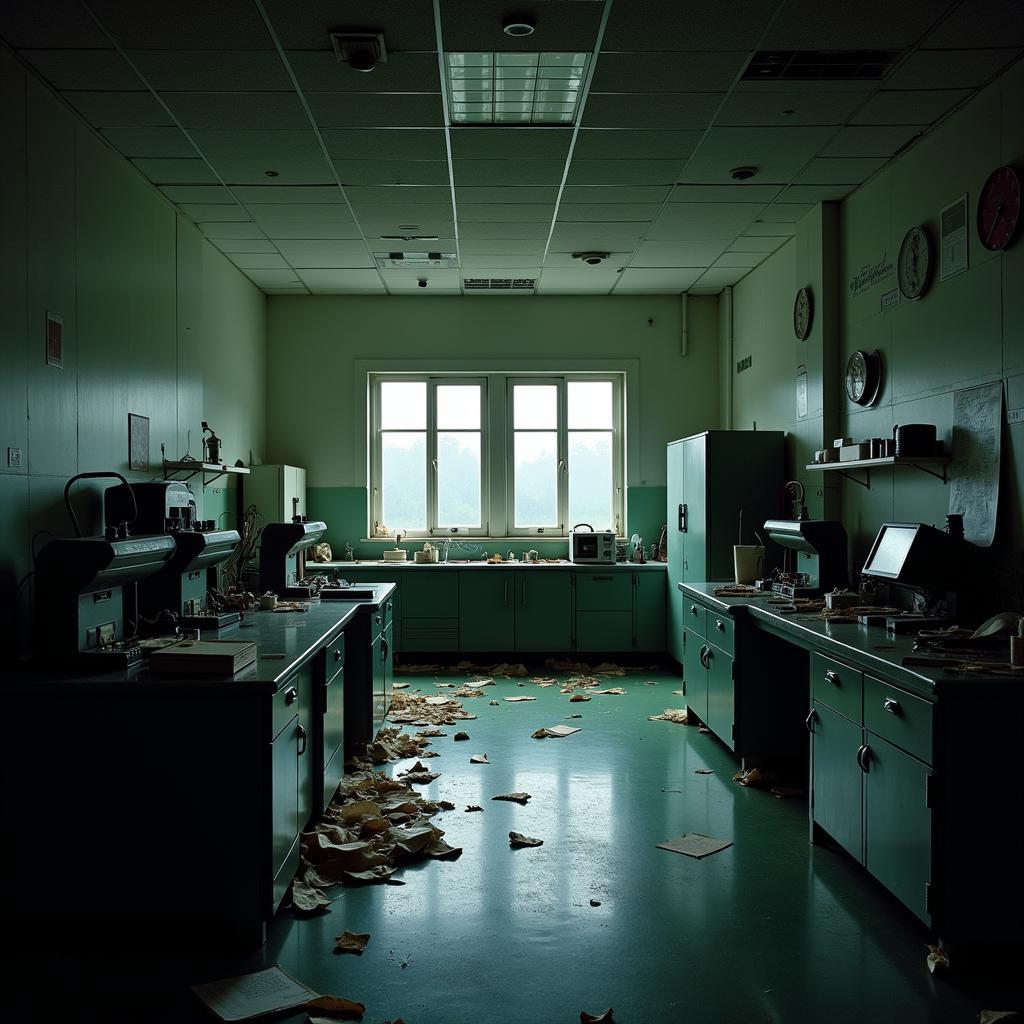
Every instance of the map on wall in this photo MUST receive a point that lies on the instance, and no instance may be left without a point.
(977, 447)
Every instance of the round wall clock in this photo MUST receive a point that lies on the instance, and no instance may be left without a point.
(914, 269)
(999, 208)
(863, 377)
(803, 313)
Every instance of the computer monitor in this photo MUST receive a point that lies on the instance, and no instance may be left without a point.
(890, 550)
(917, 556)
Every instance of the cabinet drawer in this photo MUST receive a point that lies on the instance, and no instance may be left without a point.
(838, 686)
(720, 631)
(335, 654)
(604, 592)
(286, 705)
(695, 617)
(901, 718)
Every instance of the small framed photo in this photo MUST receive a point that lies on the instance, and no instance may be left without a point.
(54, 340)
(953, 238)
(138, 443)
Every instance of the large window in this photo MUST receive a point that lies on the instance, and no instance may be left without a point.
(499, 455)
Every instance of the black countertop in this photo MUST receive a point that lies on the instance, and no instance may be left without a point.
(312, 568)
(285, 641)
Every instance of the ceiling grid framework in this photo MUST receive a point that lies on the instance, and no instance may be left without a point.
(301, 170)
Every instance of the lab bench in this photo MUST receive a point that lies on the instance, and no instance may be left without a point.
(912, 769)
(179, 799)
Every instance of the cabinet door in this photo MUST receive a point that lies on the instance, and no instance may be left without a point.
(604, 631)
(284, 800)
(695, 675)
(543, 610)
(378, 681)
(649, 610)
(836, 778)
(721, 695)
(898, 823)
(388, 659)
(695, 567)
(487, 610)
(674, 600)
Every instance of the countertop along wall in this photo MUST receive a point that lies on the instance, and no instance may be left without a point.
(318, 348)
(965, 331)
(156, 322)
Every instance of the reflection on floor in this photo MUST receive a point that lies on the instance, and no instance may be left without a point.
(770, 929)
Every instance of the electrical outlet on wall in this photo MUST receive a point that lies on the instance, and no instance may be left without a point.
(13, 458)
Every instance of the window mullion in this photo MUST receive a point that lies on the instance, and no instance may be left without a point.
(563, 456)
(431, 447)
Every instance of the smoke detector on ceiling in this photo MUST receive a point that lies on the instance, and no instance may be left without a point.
(592, 259)
(362, 51)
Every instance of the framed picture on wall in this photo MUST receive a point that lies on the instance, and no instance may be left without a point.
(138, 443)
(953, 238)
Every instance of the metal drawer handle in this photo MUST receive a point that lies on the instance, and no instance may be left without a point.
(891, 705)
(378, 620)
(291, 695)
(705, 653)
(604, 579)
(693, 609)
(337, 655)
(304, 740)
(832, 677)
(720, 625)
(862, 757)
(809, 720)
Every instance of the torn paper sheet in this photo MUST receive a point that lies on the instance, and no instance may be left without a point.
(991, 1016)
(577, 698)
(753, 777)
(307, 900)
(473, 807)
(351, 942)
(517, 840)
(693, 844)
(609, 668)
(938, 960)
(556, 731)
(253, 995)
(678, 715)
(419, 773)
(494, 703)
(597, 1018)
(334, 1008)
(614, 690)
(518, 798)
(479, 759)
(704, 771)
(516, 700)
(399, 686)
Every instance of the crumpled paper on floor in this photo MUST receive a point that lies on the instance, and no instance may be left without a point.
(578, 698)
(334, 1008)
(351, 942)
(518, 798)
(479, 759)
(609, 668)
(597, 1018)
(392, 744)
(414, 708)
(419, 773)
(555, 732)
(307, 901)
(614, 690)
(938, 960)
(678, 715)
(517, 700)
(579, 683)
(517, 840)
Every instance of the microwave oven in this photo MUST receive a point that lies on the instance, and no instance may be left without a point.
(592, 546)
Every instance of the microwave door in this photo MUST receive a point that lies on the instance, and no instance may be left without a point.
(586, 547)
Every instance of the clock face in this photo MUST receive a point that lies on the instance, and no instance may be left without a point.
(863, 377)
(803, 311)
(999, 208)
(915, 263)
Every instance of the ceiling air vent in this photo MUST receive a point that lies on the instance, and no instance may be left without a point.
(820, 65)
(503, 284)
(415, 260)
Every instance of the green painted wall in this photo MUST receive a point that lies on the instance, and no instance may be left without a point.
(314, 418)
(966, 330)
(156, 322)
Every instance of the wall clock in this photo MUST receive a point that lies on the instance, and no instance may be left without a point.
(864, 377)
(803, 313)
(999, 208)
(917, 257)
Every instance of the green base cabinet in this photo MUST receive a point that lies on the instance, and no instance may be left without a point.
(649, 597)
(487, 611)
(695, 675)
(836, 778)
(543, 611)
(721, 717)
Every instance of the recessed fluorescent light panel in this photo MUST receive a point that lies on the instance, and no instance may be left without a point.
(515, 88)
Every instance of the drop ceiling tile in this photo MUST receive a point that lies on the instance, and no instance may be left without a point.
(493, 143)
(151, 142)
(770, 228)
(501, 247)
(49, 24)
(175, 172)
(83, 69)
(274, 279)
(981, 23)
(786, 109)
(566, 26)
(564, 260)
(949, 69)
(386, 144)
(679, 254)
(408, 280)
(322, 253)
(682, 71)
(615, 194)
(778, 153)
(273, 217)
(258, 195)
(119, 109)
(759, 243)
(257, 261)
(197, 193)
(508, 172)
(375, 110)
(608, 211)
(866, 25)
(198, 212)
(602, 237)
(539, 230)
(623, 144)
(643, 281)
(440, 237)
(473, 194)
(787, 213)
(216, 71)
(740, 259)
(406, 26)
(228, 230)
(624, 172)
(244, 156)
(587, 281)
(839, 170)
(432, 194)
(718, 278)
(483, 266)
(874, 140)
(695, 222)
(511, 213)
(910, 107)
(341, 282)
(185, 24)
(237, 110)
(404, 213)
(724, 25)
(667, 111)
(237, 245)
(392, 172)
(816, 193)
(737, 192)
(321, 71)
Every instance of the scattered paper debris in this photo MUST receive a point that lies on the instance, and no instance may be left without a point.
(579, 683)
(253, 995)
(561, 665)
(307, 901)
(392, 744)
(609, 668)
(702, 728)
(680, 716)
(595, 903)
(334, 1008)
(567, 717)
(479, 759)
(419, 710)
(459, 736)
(517, 839)
(473, 807)
(516, 700)
(555, 731)
(477, 683)
(695, 845)
(543, 681)
(598, 1018)
(991, 1016)
(518, 798)
(446, 805)
(578, 698)
(399, 686)
(436, 701)
(419, 773)
(614, 690)
(753, 777)
(503, 668)
(938, 960)
(704, 771)
(430, 732)
(494, 703)
(351, 942)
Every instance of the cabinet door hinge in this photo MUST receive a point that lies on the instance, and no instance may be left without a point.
(929, 790)
(929, 898)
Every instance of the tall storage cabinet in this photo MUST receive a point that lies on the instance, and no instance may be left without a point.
(711, 477)
(278, 492)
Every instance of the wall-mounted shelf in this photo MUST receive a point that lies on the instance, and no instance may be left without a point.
(189, 468)
(926, 464)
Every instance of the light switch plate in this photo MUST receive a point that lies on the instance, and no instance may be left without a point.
(13, 457)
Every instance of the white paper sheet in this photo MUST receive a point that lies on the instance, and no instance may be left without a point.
(252, 995)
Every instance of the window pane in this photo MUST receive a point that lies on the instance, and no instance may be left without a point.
(403, 405)
(403, 463)
(536, 469)
(590, 405)
(458, 407)
(458, 478)
(590, 479)
(535, 406)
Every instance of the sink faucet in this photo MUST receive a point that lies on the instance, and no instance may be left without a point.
(447, 544)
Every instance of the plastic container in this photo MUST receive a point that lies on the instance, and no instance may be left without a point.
(748, 562)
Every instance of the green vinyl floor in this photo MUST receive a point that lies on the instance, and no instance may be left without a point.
(770, 929)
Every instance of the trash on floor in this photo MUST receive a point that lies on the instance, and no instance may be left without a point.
(597, 1018)
(579, 683)
(518, 798)
(701, 727)
(938, 960)
(334, 1008)
(516, 700)
(555, 731)
(436, 701)
(609, 668)
(482, 681)
(392, 744)
(503, 668)
(399, 686)
(419, 710)
(430, 753)
(430, 732)
(567, 717)
(419, 773)
(517, 839)
(678, 715)
(468, 691)
(473, 807)
(578, 698)
(446, 805)
(695, 845)
(479, 759)
(307, 901)
(494, 703)
(753, 777)
(704, 771)
(614, 690)
(459, 736)
(991, 1016)
(595, 903)
(351, 942)
(253, 995)
(543, 681)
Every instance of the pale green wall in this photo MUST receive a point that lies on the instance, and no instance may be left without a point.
(315, 420)
(156, 322)
(967, 330)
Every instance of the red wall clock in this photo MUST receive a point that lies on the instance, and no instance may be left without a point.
(999, 208)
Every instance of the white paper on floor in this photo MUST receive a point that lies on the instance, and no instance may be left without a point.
(693, 844)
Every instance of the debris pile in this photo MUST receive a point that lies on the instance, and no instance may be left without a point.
(678, 715)
(411, 707)
(392, 744)
(517, 840)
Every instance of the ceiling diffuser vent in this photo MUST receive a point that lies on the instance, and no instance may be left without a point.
(502, 284)
(820, 65)
(415, 260)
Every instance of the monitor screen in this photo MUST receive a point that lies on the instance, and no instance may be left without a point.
(890, 551)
